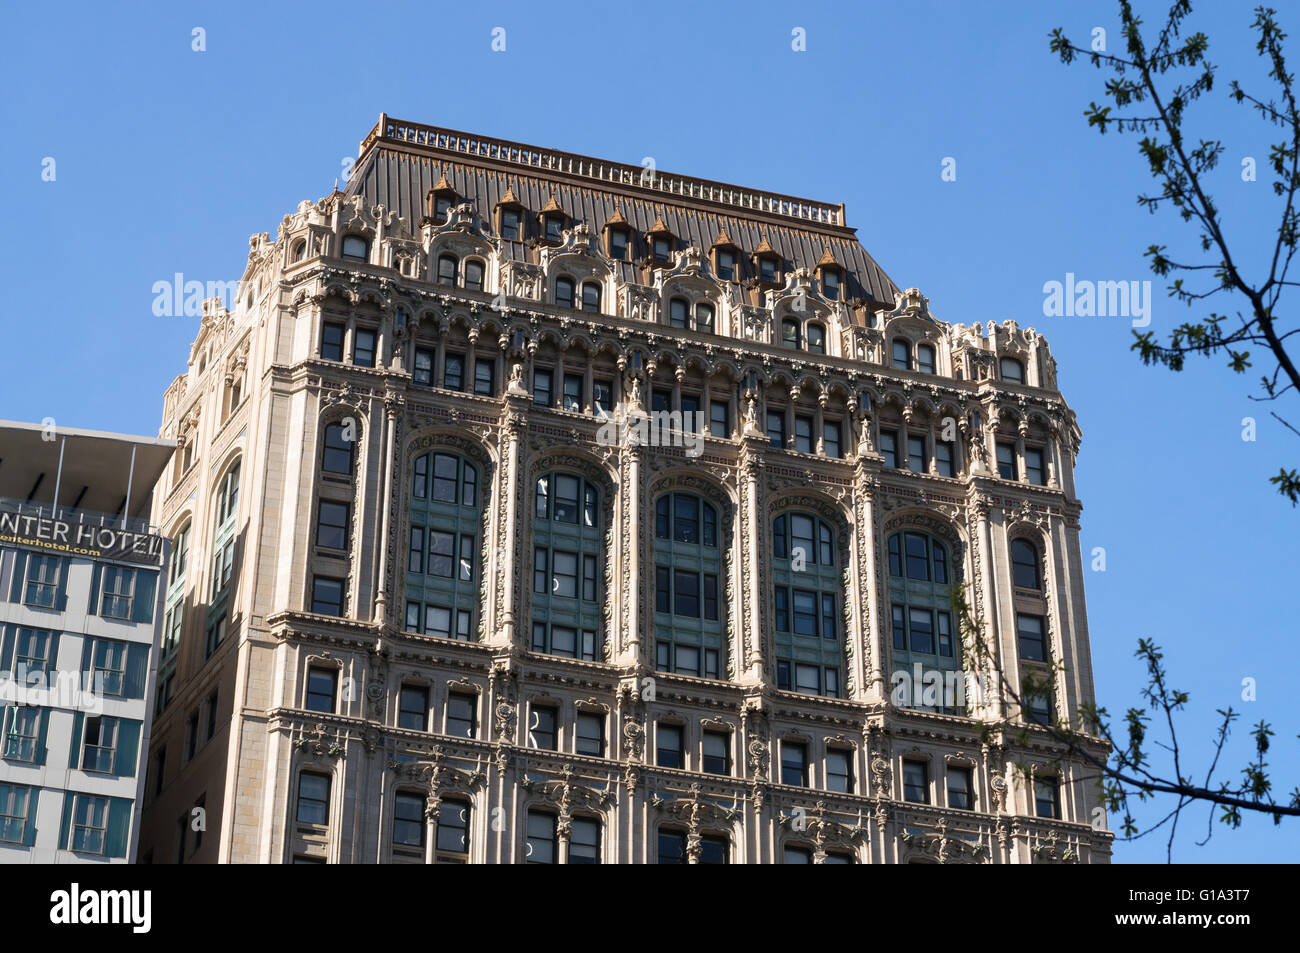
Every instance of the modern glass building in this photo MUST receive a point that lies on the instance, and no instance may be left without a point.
(81, 593)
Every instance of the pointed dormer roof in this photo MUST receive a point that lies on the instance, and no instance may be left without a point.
(723, 240)
(553, 206)
(443, 185)
(509, 198)
(827, 260)
(616, 218)
(659, 228)
(764, 248)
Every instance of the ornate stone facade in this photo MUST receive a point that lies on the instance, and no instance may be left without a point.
(716, 306)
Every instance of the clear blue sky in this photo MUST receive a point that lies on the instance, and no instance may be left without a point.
(168, 159)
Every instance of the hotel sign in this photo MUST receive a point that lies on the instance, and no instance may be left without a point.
(78, 539)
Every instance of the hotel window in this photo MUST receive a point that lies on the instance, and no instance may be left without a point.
(1029, 630)
(568, 552)
(704, 318)
(791, 854)
(959, 789)
(461, 720)
(925, 358)
(920, 594)
(1007, 461)
(408, 824)
(448, 265)
(543, 732)
(413, 707)
(564, 292)
(540, 847)
(602, 397)
(510, 222)
(584, 841)
(776, 428)
(473, 275)
(109, 745)
(726, 265)
(332, 525)
(889, 447)
(337, 454)
(719, 418)
(1024, 565)
(794, 763)
(916, 782)
(331, 342)
(591, 297)
(46, 578)
(18, 814)
(485, 377)
(1013, 372)
(679, 313)
(690, 633)
(313, 799)
(790, 334)
(356, 248)
(89, 823)
(115, 668)
(591, 735)
(363, 348)
(831, 438)
(816, 339)
(716, 751)
(327, 596)
(831, 284)
(441, 588)
(902, 354)
(453, 372)
(452, 840)
(1045, 798)
(668, 746)
(806, 603)
(28, 652)
(322, 684)
(618, 244)
(422, 373)
(916, 456)
(839, 770)
(1035, 472)
(24, 728)
(572, 400)
(803, 434)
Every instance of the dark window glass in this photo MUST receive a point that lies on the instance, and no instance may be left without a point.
(591, 735)
(453, 372)
(719, 419)
(767, 269)
(422, 373)
(331, 342)
(662, 249)
(542, 730)
(510, 225)
(726, 265)
(1029, 628)
(889, 447)
(1013, 372)
(448, 265)
(564, 292)
(1024, 565)
(408, 820)
(816, 339)
(672, 847)
(573, 392)
(902, 354)
(1007, 461)
(602, 396)
(313, 799)
(460, 715)
(831, 438)
(474, 275)
(327, 596)
(618, 244)
(668, 746)
(413, 707)
(591, 297)
(1045, 802)
(925, 358)
(831, 284)
(959, 793)
(541, 837)
(803, 434)
(584, 841)
(1034, 470)
(332, 525)
(363, 348)
(554, 228)
(790, 334)
(663, 589)
(686, 593)
(916, 782)
(337, 455)
(484, 377)
(776, 428)
(945, 458)
(839, 771)
(321, 684)
(704, 318)
(453, 831)
(714, 850)
(794, 763)
(717, 753)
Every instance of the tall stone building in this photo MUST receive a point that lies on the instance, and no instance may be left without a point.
(543, 507)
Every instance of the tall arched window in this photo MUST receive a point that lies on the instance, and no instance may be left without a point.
(442, 555)
(807, 603)
(704, 318)
(1013, 372)
(925, 636)
(473, 275)
(790, 336)
(902, 354)
(1024, 565)
(925, 358)
(564, 292)
(447, 268)
(568, 560)
(223, 557)
(591, 297)
(337, 455)
(679, 313)
(690, 588)
(816, 339)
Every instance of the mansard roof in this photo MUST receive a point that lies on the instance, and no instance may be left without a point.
(401, 161)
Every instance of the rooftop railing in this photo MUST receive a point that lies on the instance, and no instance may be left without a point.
(602, 170)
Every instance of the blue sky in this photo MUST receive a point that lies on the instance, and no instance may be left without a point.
(167, 159)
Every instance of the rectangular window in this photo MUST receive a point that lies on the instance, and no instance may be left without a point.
(803, 429)
(776, 428)
(591, 735)
(716, 753)
(805, 612)
(944, 458)
(422, 373)
(710, 597)
(453, 372)
(916, 454)
(686, 593)
(602, 397)
(460, 715)
(573, 392)
(584, 841)
(212, 715)
(839, 771)
(485, 377)
(1034, 470)
(807, 679)
(442, 553)
(686, 659)
(118, 592)
(541, 838)
(726, 265)
(43, 581)
(331, 342)
(782, 609)
(437, 621)
(363, 348)
(321, 686)
(719, 419)
(831, 438)
(564, 641)
(1045, 800)
(783, 675)
(413, 707)
(23, 735)
(794, 763)
(89, 824)
(542, 729)
(916, 782)
(466, 557)
(1007, 461)
(327, 596)
(663, 589)
(542, 385)
(408, 821)
(921, 624)
(1029, 628)
(618, 244)
(510, 223)
(313, 799)
(944, 631)
(415, 552)
(541, 560)
(668, 746)
(889, 447)
(711, 660)
(17, 805)
(332, 525)
(959, 793)
(452, 836)
(829, 628)
(589, 578)
(564, 577)
(99, 744)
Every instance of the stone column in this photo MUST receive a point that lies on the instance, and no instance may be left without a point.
(389, 474)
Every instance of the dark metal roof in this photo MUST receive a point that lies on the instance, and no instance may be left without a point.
(397, 170)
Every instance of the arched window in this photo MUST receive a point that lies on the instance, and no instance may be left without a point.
(299, 251)
(442, 556)
(564, 292)
(223, 556)
(925, 358)
(1013, 372)
(336, 457)
(591, 297)
(356, 248)
(816, 339)
(690, 587)
(1024, 565)
(926, 642)
(807, 602)
(447, 268)
(790, 333)
(473, 275)
(704, 318)
(568, 567)
(902, 354)
(679, 312)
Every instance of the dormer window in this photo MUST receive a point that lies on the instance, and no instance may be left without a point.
(618, 242)
(662, 249)
(726, 269)
(661, 242)
(767, 269)
(831, 284)
(554, 228)
(356, 248)
(1013, 372)
(441, 206)
(510, 222)
(439, 201)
